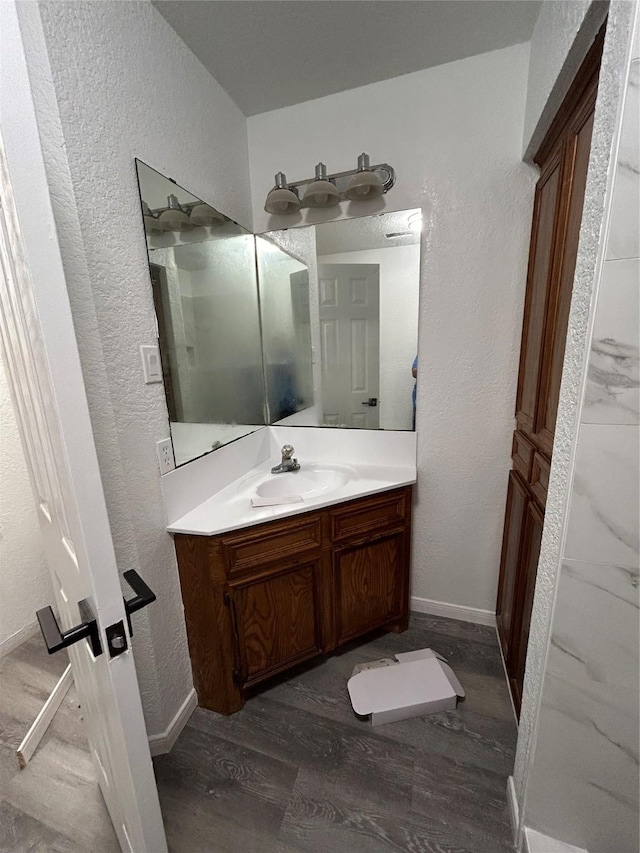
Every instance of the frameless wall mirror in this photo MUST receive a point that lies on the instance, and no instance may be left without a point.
(283, 285)
(365, 276)
(235, 354)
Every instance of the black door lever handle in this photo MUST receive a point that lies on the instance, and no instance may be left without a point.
(143, 595)
(55, 639)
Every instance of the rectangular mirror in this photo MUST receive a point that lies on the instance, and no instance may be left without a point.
(283, 284)
(203, 275)
(313, 326)
(365, 276)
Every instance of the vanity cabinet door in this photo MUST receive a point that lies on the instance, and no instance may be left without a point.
(370, 585)
(276, 620)
(532, 540)
(507, 606)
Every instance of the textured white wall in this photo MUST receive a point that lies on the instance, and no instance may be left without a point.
(590, 255)
(454, 135)
(563, 33)
(25, 585)
(131, 90)
(399, 288)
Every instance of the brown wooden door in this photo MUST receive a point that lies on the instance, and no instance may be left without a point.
(276, 620)
(563, 159)
(576, 149)
(369, 584)
(539, 285)
(517, 500)
(531, 541)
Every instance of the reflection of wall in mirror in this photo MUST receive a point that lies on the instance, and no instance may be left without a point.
(175, 332)
(214, 332)
(399, 292)
(193, 440)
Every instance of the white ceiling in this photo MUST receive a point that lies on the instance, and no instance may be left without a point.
(273, 53)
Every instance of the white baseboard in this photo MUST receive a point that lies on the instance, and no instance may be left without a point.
(161, 743)
(42, 722)
(15, 640)
(453, 611)
(537, 842)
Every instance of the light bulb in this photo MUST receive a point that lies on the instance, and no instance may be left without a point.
(321, 192)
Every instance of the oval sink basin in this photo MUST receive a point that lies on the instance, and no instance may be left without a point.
(308, 483)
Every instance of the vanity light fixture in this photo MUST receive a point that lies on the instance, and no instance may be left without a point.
(203, 214)
(282, 199)
(361, 184)
(321, 192)
(174, 218)
(365, 184)
(151, 225)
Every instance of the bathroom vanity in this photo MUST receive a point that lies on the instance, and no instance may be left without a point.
(269, 340)
(262, 599)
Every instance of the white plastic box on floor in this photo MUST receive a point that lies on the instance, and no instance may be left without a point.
(414, 684)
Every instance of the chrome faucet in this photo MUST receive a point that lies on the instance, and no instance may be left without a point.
(287, 463)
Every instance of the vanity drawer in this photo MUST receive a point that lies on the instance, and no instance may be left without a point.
(540, 479)
(364, 517)
(522, 454)
(299, 536)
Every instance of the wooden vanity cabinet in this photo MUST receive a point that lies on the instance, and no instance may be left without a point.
(260, 600)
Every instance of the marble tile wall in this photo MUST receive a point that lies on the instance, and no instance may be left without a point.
(584, 783)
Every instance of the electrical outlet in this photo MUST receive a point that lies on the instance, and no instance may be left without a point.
(165, 456)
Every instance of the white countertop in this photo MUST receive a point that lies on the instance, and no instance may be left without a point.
(231, 509)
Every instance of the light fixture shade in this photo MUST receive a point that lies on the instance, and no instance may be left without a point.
(203, 214)
(365, 184)
(281, 199)
(321, 192)
(151, 225)
(174, 218)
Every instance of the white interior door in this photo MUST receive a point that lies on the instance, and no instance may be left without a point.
(44, 372)
(349, 296)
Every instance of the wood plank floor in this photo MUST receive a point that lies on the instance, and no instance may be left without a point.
(295, 770)
(54, 804)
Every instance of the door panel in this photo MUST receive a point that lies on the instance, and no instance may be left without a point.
(349, 297)
(517, 500)
(563, 158)
(531, 541)
(369, 586)
(276, 620)
(578, 149)
(543, 236)
(43, 366)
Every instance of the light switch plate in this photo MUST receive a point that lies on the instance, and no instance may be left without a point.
(151, 364)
